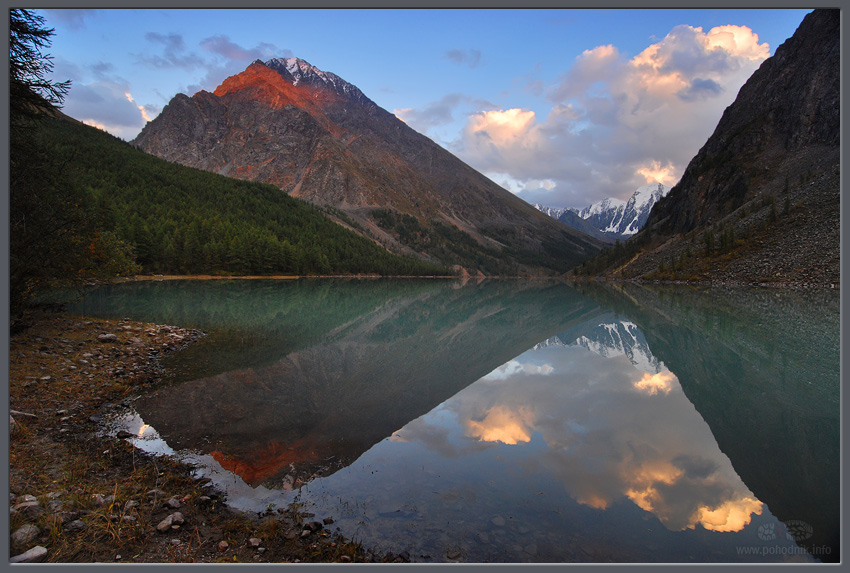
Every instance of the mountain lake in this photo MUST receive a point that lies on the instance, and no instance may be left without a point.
(507, 420)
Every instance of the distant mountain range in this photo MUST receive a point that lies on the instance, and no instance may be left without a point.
(609, 336)
(319, 138)
(611, 219)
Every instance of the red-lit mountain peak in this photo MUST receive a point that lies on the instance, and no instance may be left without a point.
(265, 85)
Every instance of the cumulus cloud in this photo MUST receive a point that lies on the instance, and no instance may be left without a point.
(617, 123)
(105, 105)
(470, 58)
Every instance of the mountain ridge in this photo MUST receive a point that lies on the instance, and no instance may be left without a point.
(611, 219)
(317, 139)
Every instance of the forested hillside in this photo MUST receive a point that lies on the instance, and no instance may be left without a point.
(182, 220)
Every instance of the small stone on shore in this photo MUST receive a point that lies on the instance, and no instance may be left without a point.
(34, 555)
(25, 534)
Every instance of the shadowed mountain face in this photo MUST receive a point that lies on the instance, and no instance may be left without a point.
(318, 138)
(319, 408)
(762, 368)
(767, 178)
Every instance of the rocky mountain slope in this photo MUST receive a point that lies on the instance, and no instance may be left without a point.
(611, 218)
(319, 138)
(760, 202)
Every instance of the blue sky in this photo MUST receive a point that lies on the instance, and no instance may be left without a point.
(563, 107)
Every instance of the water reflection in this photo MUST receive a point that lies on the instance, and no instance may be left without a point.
(316, 409)
(611, 432)
(513, 421)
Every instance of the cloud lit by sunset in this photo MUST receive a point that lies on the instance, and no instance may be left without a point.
(501, 425)
(653, 384)
(594, 104)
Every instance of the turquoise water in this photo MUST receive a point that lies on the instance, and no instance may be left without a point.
(509, 421)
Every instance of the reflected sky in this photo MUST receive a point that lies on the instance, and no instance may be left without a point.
(611, 432)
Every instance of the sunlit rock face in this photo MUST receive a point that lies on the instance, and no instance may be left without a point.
(319, 138)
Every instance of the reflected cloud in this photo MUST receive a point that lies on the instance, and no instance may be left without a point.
(501, 425)
(608, 436)
(652, 384)
(730, 516)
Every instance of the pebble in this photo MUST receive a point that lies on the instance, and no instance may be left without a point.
(75, 526)
(31, 509)
(173, 503)
(165, 524)
(100, 500)
(222, 546)
(131, 503)
(109, 337)
(26, 498)
(176, 542)
(345, 559)
(327, 520)
(25, 534)
(55, 506)
(34, 555)
(156, 493)
(123, 434)
(66, 516)
(254, 542)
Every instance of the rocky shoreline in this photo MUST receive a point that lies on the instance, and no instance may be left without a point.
(77, 496)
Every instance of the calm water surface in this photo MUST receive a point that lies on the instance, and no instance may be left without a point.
(509, 421)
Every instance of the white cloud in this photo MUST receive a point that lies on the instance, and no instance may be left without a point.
(616, 124)
(107, 105)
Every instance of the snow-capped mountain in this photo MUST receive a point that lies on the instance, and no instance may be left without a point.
(612, 218)
(551, 211)
(610, 337)
(297, 70)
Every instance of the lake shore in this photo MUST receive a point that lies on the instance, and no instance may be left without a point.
(85, 497)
